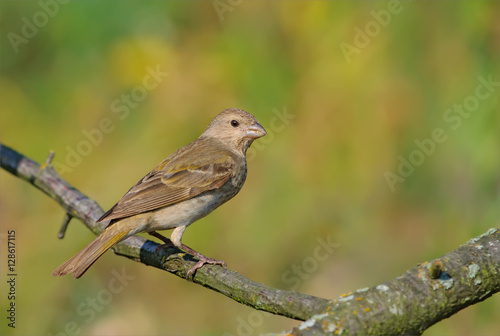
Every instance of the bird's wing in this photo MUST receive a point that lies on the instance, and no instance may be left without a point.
(173, 181)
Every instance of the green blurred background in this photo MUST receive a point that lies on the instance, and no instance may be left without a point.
(335, 124)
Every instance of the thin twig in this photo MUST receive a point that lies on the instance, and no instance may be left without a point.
(64, 226)
(48, 161)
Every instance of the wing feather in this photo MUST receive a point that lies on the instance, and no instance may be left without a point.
(176, 179)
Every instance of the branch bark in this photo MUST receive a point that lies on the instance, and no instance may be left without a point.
(229, 283)
(421, 297)
(408, 304)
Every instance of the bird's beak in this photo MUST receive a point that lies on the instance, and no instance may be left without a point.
(255, 131)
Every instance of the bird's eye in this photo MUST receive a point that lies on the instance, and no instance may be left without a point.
(235, 123)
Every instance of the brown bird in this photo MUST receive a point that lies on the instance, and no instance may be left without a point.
(185, 187)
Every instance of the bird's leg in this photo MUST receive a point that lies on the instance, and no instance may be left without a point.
(202, 260)
(162, 238)
(167, 242)
(176, 238)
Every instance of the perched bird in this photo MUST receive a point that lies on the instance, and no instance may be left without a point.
(185, 187)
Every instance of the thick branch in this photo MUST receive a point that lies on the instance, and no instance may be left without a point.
(408, 304)
(259, 296)
(421, 297)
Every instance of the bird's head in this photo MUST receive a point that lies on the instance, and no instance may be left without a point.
(235, 128)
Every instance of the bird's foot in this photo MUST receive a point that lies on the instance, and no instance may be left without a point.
(202, 261)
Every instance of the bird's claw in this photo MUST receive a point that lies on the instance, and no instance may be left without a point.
(204, 260)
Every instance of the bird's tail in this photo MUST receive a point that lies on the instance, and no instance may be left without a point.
(81, 262)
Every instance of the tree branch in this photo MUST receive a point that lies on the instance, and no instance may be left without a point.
(421, 297)
(229, 283)
(408, 304)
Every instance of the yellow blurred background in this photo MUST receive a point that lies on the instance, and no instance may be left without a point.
(382, 122)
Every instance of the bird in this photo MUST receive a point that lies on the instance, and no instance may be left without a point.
(186, 186)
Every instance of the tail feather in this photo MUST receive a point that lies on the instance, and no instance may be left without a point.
(81, 262)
